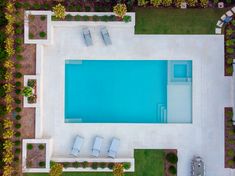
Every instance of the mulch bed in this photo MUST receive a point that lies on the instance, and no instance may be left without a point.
(35, 155)
(229, 139)
(37, 25)
(166, 163)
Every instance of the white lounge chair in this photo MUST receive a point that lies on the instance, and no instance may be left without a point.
(113, 149)
(105, 36)
(97, 146)
(87, 36)
(77, 145)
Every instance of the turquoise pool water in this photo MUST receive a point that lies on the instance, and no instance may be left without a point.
(123, 91)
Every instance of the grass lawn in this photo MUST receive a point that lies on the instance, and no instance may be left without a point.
(177, 21)
(148, 163)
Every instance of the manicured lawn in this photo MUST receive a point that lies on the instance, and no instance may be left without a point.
(177, 21)
(148, 163)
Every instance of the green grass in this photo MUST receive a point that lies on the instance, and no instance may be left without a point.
(177, 21)
(147, 163)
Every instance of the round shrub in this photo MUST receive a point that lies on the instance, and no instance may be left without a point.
(66, 164)
(16, 159)
(17, 134)
(18, 75)
(69, 17)
(94, 165)
(84, 164)
(17, 143)
(172, 170)
(18, 91)
(18, 126)
(126, 166)
(102, 165)
(18, 49)
(42, 164)
(17, 101)
(18, 84)
(110, 166)
(18, 109)
(76, 164)
(17, 151)
(77, 17)
(19, 31)
(19, 57)
(18, 66)
(41, 146)
(31, 35)
(95, 18)
(42, 34)
(105, 18)
(2, 110)
(18, 117)
(29, 146)
(85, 18)
(172, 158)
(19, 41)
(43, 17)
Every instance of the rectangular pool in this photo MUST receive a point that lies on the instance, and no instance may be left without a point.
(117, 91)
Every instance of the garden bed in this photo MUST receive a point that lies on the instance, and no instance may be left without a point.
(170, 162)
(36, 155)
(33, 84)
(229, 138)
(37, 26)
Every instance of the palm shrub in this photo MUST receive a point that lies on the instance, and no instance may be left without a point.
(142, 2)
(56, 170)
(118, 170)
(59, 11)
(204, 3)
(166, 3)
(27, 91)
(120, 10)
(94, 165)
(172, 158)
(192, 3)
(8, 170)
(155, 3)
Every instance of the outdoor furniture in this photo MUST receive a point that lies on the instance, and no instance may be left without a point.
(229, 13)
(218, 30)
(97, 146)
(77, 145)
(198, 167)
(87, 36)
(227, 19)
(113, 149)
(233, 9)
(105, 36)
(220, 23)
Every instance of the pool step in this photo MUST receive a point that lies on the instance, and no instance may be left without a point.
(162, 113)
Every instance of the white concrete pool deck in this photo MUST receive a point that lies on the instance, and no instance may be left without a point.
(211, 93)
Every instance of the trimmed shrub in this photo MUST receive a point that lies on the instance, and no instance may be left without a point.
(77, 17)
(2, 91)
(66, 164)
(111, 165)
(18, 117)
(87, 8)
(18, 109)
(18, 75)
(41, 146)
(16, 159)
(172, 158)
(17, 134)
(127, 19)
(112, 18)
(26, 5)
(19, 57)
(18, 91)
(229, 114)
(172, 170)
(85, 18)
(18, 49)
(17, 151)
(18, 126)
(17, 143)
(94, 165)
(76, 164)
(18, 5)
(36, 6)
(31, 36)
(19, 41)
(95, 18)
(2, 110)
(19, 31)
(229, 70)
(69, 17)
(230, 50)
(104, 18)
(42, 34)
(18, 66)
(84, 164)
(42, 164)
(102, 165)
(18, 84)
(43, 17)
(126, 166)
(79, 8)
(17, 101)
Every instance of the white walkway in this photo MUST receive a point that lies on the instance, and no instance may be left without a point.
(211, 93)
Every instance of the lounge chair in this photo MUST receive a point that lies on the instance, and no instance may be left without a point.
(97, 146)
(105, 36)
(77, 145)
(113, 149)
(87, 36)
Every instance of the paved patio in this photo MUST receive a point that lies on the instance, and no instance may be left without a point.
(211, 93)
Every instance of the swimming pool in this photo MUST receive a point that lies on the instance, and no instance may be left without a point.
(117, 91)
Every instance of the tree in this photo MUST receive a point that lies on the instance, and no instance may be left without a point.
(56, 170)
(59, 11)
(120, 10)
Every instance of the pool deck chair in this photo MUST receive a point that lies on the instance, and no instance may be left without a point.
(97, 146)
(77, 145)
(87, 36)
(113, 149)
(105, 36)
